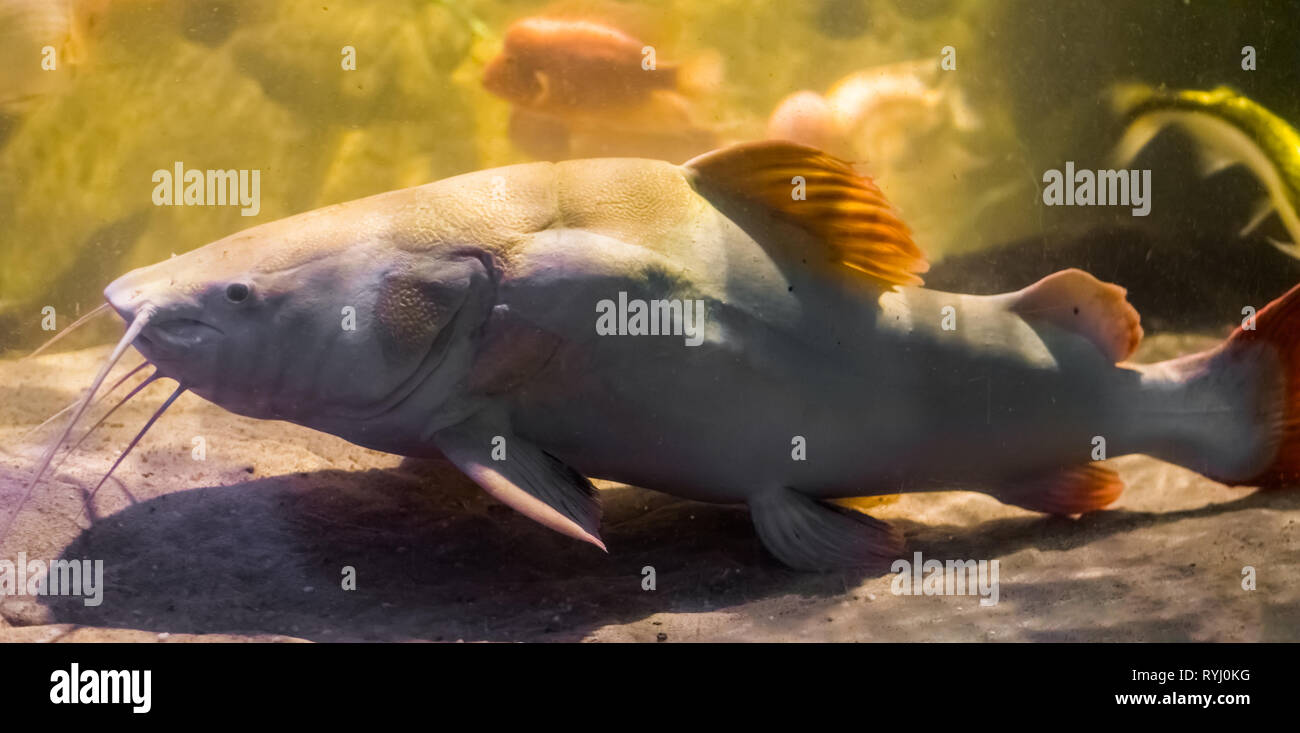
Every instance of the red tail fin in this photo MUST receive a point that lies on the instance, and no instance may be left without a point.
(1278, 327)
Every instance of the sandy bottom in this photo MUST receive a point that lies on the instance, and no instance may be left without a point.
(251, 542)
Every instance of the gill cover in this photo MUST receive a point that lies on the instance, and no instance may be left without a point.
(416, 300)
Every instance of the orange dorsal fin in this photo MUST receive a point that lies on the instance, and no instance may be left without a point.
(824, 196)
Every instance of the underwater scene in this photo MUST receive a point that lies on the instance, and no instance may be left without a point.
(649, 320)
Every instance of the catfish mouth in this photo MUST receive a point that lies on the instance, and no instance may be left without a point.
(172, 334)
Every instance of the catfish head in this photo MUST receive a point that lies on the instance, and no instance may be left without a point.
(335, 319)
(380, 320)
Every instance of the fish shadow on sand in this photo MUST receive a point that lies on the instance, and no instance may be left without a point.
(268, 556)
(1131, 594)
(997, 537)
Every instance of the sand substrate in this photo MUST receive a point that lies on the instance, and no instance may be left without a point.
(252, 542)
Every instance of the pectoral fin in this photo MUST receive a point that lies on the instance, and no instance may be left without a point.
(524, 477)
(543, 84)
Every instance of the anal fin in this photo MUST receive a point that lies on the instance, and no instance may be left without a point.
(1076, 301)
(866, 503)
(527, 479)
(1074, 490)
(808, 534)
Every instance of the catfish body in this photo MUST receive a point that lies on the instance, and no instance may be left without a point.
(820, 370)
(882, 396)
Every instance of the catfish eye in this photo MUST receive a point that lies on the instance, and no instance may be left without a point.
(236, 292)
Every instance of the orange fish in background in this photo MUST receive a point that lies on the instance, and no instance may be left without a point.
(565, 67)
(582, 88)
(27, 29)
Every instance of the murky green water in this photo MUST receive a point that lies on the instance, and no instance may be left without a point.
(132, 130)
(139, 85)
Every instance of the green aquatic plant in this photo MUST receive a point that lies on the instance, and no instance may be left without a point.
(1229, 129)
